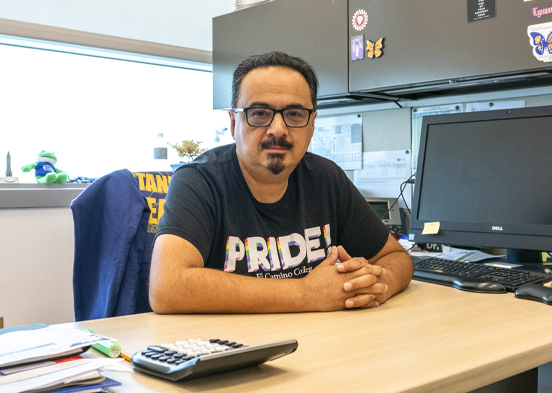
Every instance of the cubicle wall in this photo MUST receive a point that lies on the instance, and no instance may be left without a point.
(36, 266)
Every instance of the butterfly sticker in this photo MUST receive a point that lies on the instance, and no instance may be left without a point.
(374, 49)
(541, 44)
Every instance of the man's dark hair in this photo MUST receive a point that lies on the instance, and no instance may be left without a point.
(274, 59)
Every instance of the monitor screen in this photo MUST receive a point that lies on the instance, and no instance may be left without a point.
(484, 179)
(381, 208)
(387, 209)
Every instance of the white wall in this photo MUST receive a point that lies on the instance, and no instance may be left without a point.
(36, 266)
(185, 23)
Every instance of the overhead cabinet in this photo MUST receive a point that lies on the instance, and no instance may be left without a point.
(425, 48)
(430, 46)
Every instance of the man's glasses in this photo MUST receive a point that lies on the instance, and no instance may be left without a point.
(262, 117)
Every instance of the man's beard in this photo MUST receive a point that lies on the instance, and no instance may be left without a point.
(276, 160)
(276, 163)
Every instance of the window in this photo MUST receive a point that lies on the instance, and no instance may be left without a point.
(99, 114)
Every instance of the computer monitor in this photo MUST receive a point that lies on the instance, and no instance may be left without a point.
(387, 209)
(485, 180)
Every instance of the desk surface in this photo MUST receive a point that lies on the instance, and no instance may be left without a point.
(429, 338)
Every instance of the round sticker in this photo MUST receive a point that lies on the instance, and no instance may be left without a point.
(360, 19)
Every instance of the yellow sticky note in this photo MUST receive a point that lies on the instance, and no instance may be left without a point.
(431, 228)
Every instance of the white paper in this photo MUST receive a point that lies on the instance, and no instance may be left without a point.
(492, 105)
(60, 373)
(458, 254)
(48, 342)
(406, 244)
(383, 173)
(340, 140)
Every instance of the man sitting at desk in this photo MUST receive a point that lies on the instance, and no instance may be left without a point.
(242, 218)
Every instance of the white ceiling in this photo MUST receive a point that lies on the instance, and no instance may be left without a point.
(186, 23)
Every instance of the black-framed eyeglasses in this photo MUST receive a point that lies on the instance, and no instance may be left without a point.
(262, 117)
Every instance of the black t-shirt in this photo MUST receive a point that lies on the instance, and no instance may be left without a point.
(210, 205)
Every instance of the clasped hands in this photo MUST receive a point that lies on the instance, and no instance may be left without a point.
(347, 282)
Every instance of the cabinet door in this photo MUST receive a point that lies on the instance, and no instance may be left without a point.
(428, 41)
(315, 30)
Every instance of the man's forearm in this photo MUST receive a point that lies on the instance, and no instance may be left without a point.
(202, 290)
(179, 283)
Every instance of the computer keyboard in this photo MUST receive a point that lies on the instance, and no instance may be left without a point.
(474, 277)
(197, 358)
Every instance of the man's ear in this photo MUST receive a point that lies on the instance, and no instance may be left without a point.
(232, 115)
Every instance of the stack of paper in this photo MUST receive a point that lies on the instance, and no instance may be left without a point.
(42, 358)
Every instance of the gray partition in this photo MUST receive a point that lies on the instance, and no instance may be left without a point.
(22, 195)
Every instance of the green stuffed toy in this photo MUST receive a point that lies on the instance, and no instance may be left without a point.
(45, 171)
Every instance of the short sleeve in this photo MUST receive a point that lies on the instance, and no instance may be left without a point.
(190, 209)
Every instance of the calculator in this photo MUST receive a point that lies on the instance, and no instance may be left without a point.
(194, 358)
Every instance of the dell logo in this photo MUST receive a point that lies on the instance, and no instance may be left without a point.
(497, 228)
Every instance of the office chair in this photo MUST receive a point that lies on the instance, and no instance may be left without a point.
(115, 221)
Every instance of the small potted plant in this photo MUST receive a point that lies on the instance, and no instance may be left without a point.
(187, 149)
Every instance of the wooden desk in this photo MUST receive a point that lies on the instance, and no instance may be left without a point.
(429, 338)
